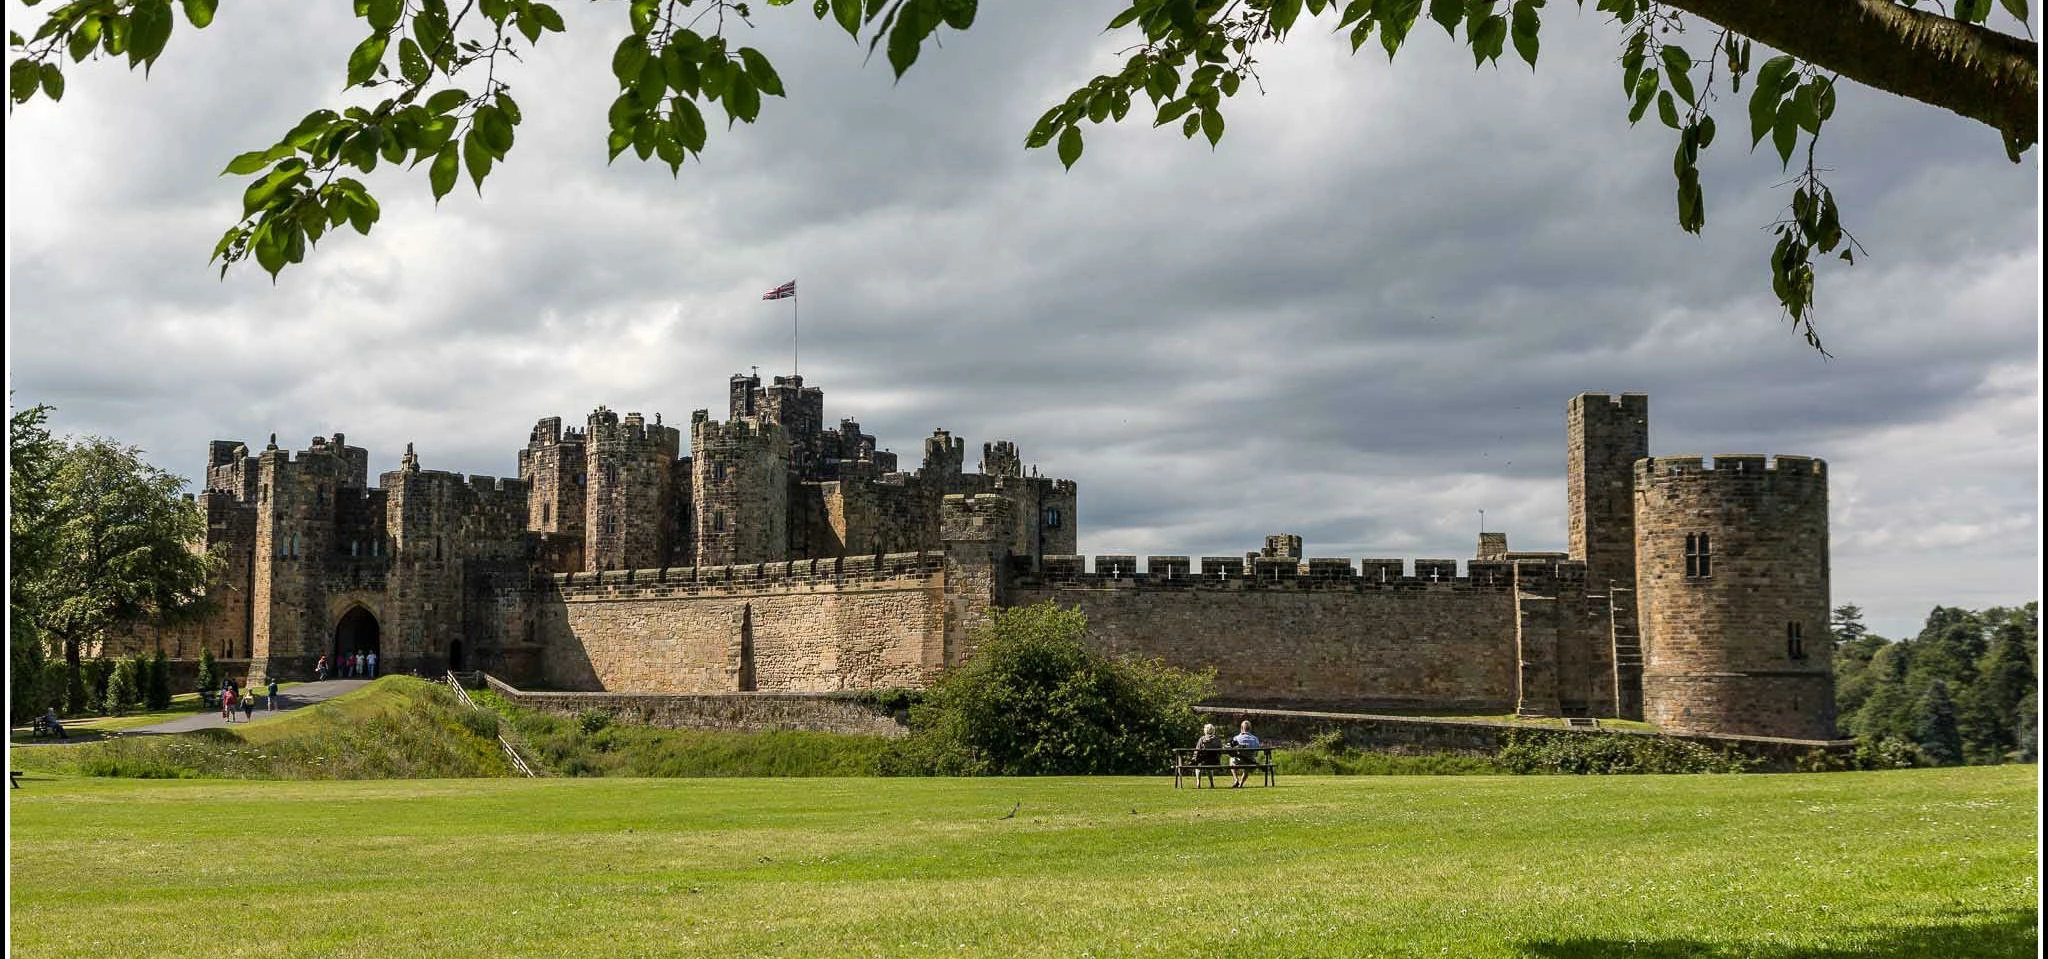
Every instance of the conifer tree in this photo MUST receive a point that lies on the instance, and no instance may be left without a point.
(1934, 727)
(159, 686)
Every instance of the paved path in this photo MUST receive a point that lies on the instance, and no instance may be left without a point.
(288, 699)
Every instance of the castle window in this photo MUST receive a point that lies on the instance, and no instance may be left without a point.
(547, 512)
(611, 524)
(611, 473)
(1795, 640)
(1052, 517)
(718, 472)
(718, 521)
(1699, 556)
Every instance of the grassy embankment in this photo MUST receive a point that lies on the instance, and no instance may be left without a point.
(1914, 863)
(395, 727)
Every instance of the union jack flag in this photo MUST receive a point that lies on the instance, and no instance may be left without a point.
(783, 292)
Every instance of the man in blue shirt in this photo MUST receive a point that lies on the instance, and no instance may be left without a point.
(1242, 761)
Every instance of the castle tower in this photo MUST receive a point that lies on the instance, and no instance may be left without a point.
(739, 480)
(628, 496)
(1605, 436)
(800, 410)
(553, 462)
(1732, 595)
(1000, 458)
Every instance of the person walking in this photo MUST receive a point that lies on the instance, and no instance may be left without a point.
(371, 660)
(249, 708)
(320, 668)
(273, 694)
(227, 703)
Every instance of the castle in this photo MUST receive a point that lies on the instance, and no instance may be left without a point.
(774, 554)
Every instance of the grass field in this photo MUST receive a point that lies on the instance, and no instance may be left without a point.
(1914, 863)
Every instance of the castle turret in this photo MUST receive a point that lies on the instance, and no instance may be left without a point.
(627, 517)
(553, 463)
(739, 478)
(1605, 435)
(1732, 595)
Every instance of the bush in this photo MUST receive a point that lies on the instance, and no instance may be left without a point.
(1327, 754)
(1034, 701)
(97, 674)
(209, 674)
(121, 691)
(158, 691)
(592, 720)
(1609, 753)
(479, 722)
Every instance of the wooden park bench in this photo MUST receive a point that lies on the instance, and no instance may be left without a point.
(13, 779)
(43, 727)
(1185, 766)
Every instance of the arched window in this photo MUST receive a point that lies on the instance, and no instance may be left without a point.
(1052, 517)
(1699, 556)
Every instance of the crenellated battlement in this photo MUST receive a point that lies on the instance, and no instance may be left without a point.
(1731, 464)
(748, 577)
(1268, 572)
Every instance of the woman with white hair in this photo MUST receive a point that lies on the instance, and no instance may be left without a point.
(1209, 748)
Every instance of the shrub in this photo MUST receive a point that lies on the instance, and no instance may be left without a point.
(1033, 700)
(592, 720)
(121, 689)
(158, 691)
(209, 674)
(97, 674)
(1608, 753)
(479, 722)
(1327, 754)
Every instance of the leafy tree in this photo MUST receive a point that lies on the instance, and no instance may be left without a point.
(1855, 647)
(31, 456)
(158, 689)
(1990, 714)
(1847, 625)
(421, 61)
(122, 547)
(2028, 728)
(1033, 700)
(123, 688)
(1934, 726)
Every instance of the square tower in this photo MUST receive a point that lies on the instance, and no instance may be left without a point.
(1605, 436)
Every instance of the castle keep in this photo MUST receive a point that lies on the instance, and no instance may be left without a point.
(768, 552)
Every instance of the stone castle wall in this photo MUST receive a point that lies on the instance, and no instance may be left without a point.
(1325, 638)
(808, 626)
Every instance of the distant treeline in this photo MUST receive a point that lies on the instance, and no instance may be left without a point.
(1963, 691)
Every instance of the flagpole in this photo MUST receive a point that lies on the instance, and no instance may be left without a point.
(792, 336)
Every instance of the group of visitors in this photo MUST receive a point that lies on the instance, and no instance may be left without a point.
(360, 663)
(1210, 748)
(233, 697)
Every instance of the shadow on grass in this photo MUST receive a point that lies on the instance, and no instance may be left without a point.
(1976, 934)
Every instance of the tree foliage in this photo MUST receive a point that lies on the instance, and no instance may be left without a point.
(1983, 662)
(422, 101)
(1034, 701)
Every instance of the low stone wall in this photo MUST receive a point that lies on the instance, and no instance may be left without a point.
(1407, 734)
(848, 713)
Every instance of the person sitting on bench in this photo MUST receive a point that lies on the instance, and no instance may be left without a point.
(47, 723)
(1209, 748)
(1241, 762)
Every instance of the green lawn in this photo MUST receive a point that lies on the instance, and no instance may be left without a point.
(182, 705)
(1935, 863)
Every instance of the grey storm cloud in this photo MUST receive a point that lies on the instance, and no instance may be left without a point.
(1358, 319)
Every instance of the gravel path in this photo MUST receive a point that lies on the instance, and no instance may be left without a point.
(295, 697)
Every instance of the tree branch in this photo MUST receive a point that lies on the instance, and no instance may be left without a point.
(1988, 76)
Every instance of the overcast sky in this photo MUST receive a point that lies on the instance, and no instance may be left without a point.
(1359, 319)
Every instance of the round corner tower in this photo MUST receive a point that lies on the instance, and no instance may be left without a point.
(1732, 593)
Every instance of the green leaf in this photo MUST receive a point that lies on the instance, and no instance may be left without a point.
(958, 14)
(743, 101)
(1972, 11)
(83, 39)
(494, 129)
(1487, 39)
(1212, 126)
(382, 14)
(1667, 109)
(363, 211)
(149, 28)
(200, 12)
(53, 81)
(689, 125)
(1678, 71)
(362, 63)
(906, 37)
(1804, 110)
(2018, 9)
(1769, 80)
(1447, 13)
(23, 79)
(1397, 17)
(1284, 13)
(847, 13)
(445, 100)
(1763, 112)
(548, 17)
(412, 64)
(255, 160)
(1172, 111)
(476, 157)
(761, 71)
(1646, 89)
(1785, 136)
(269, 248)
(1070, 146)
(1706, 128)
(1524, 25)
(629, 60)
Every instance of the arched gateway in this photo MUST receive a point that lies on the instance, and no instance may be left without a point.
(357, 632)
